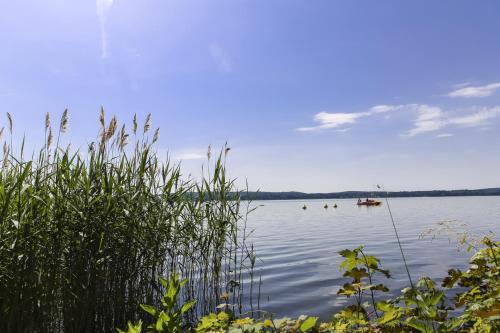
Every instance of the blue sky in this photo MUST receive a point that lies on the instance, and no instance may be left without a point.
(311, 96)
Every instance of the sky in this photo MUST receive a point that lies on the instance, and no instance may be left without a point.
(313, 96)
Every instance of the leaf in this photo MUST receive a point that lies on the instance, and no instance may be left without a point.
(131, 328)
(183, 282)
(453, 276)
(308, 324)
(391, 313)
(420, 325)
(164, 282)
(150, 309)
(347, 253)
(386, 272)
(379, 287)
(357, 274)
(371, 261)
(163, 320)
(188, 305)
(347, 290)
(453, 323)
(436, 298)
(137, 328)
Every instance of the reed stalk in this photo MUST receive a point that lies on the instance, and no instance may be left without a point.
(85, 235)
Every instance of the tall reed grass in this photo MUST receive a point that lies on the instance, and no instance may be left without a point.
(84, 235)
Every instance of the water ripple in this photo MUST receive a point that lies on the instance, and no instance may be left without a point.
(298, 249)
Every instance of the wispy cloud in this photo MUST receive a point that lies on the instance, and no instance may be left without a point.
(332, 120)
(327, 120)
(477, 118)
(430, 118)
(220, 57)
(384, 108)
(103, 7)
(189, 155)
(475, 91)
(462, 84)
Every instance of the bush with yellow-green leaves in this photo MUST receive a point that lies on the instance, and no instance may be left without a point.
(423, 307)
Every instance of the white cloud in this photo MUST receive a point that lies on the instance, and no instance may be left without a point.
(384, 108)
(476, 119)
(220, 57)
(103, 7)
(444, 135)
(306, 129)
(190, 156)
(428, 113)
(430, 118)
(332, 120)
(477, 91)
(328, 120)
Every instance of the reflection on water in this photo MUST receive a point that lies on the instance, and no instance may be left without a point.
(298, 248)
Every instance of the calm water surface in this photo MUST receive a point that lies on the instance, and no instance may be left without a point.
(298, 249)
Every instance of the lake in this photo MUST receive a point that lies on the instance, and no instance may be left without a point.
(298, 249)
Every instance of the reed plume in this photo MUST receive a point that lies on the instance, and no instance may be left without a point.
(9, 118)
(63, 127)
(134, 124)
(123, 138)
(111, 128)
(49, 138)
(147, 123)
(47, 121)
(156, 136)
(102, 120)
(92, 234)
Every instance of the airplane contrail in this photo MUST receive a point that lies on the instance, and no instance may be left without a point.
(103, 7)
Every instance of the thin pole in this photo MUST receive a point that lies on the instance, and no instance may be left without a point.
(401, 249)
(397, 236)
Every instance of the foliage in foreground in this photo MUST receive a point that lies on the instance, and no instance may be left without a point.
(421, 308)
(85, 234)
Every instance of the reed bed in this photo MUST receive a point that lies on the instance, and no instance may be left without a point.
(85, 235)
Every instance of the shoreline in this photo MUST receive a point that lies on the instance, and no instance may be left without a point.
(371, 194)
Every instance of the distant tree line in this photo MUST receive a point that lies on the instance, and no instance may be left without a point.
(366, 194)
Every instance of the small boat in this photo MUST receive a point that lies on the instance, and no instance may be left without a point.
(369, 202)
(304, 207)
(334, 205)
(325, 206)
